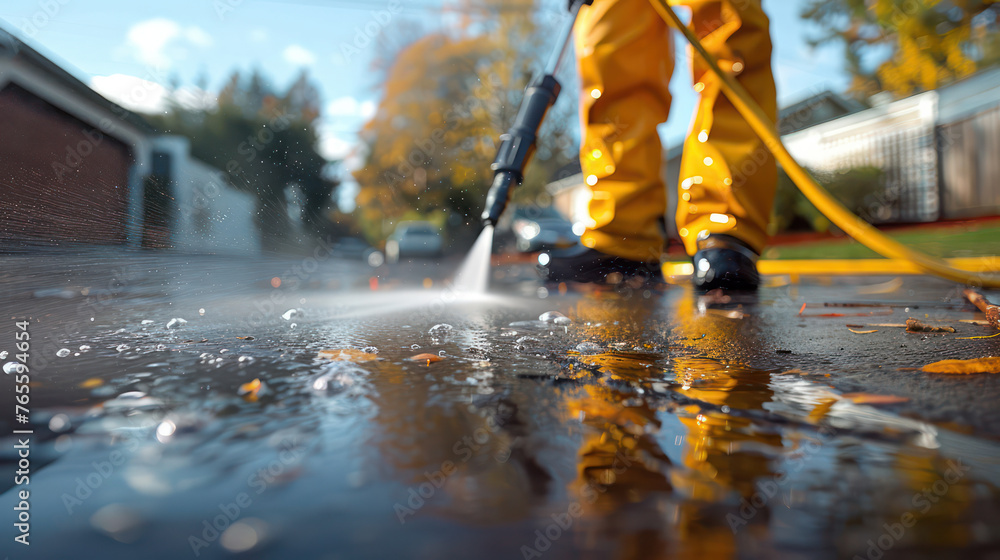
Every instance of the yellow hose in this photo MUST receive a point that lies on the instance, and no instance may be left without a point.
(821, 199)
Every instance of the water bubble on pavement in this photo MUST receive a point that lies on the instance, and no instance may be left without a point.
(63, 352)
(527, 343)
(442, 353)
(11, 367)
(122, 347)
(245, 359)
(176, 322)
(287, 315)
(554, 317)
(83, 348)
(440, 330)
(3, 355)
(336, 377)
(201, 311)
(508, 333)
(415, 347)
(370, 350)
(589, 348)
(146, 322)
(293, 325)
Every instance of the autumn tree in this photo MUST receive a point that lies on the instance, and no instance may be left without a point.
(266, 142)
(445, 99)
(908, 46)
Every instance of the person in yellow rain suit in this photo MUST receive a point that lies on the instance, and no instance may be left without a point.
(728, 177)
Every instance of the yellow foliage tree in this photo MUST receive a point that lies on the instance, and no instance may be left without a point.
(908, 46)
(446, 98)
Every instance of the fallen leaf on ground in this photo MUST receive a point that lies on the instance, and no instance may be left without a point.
(245, 337)
(347, 355)
(252, 390)
(913, 325)
(870, 398)
(861, 332)
(426, 358)
(964, 367)
(821, 409)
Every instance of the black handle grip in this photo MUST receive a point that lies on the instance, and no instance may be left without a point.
(518, 144)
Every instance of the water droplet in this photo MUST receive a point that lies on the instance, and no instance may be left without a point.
(83, 348)
(292, 326)
(440, 330)
(287, 315)
(415, 347)
(527, 343)
(62, 352)
(3, 355)
(11, 367)
(589, 348)
(554, 317)
(146, 322)
(201, 311)
(442, 353)
(122, 347)
(175, 322)
(370, 350)
(336, 376)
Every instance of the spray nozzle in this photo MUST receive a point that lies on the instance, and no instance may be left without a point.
(496, 199)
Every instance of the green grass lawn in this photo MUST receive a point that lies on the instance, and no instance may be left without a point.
(975, 240)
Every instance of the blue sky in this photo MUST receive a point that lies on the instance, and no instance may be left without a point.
(114, 45)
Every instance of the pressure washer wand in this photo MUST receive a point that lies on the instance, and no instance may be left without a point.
(518, 144)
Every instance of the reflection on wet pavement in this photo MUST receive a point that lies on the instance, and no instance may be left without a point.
(335, 422)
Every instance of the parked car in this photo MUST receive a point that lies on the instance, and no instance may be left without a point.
(413, 239)
(359, 249)
(536, 228)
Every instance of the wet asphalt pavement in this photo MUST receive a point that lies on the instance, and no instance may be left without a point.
(294, 422)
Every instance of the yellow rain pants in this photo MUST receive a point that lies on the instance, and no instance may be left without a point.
(728, 177)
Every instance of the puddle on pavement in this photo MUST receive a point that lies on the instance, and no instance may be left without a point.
(604, 430)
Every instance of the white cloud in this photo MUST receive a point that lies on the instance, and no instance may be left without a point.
(149, 38)
(143, 96)
(159, 41)
(348, 106)
(132, 92)
(299, 55)
(333, 147)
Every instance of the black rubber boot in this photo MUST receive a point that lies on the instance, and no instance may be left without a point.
(724, 262)
(585, 265)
